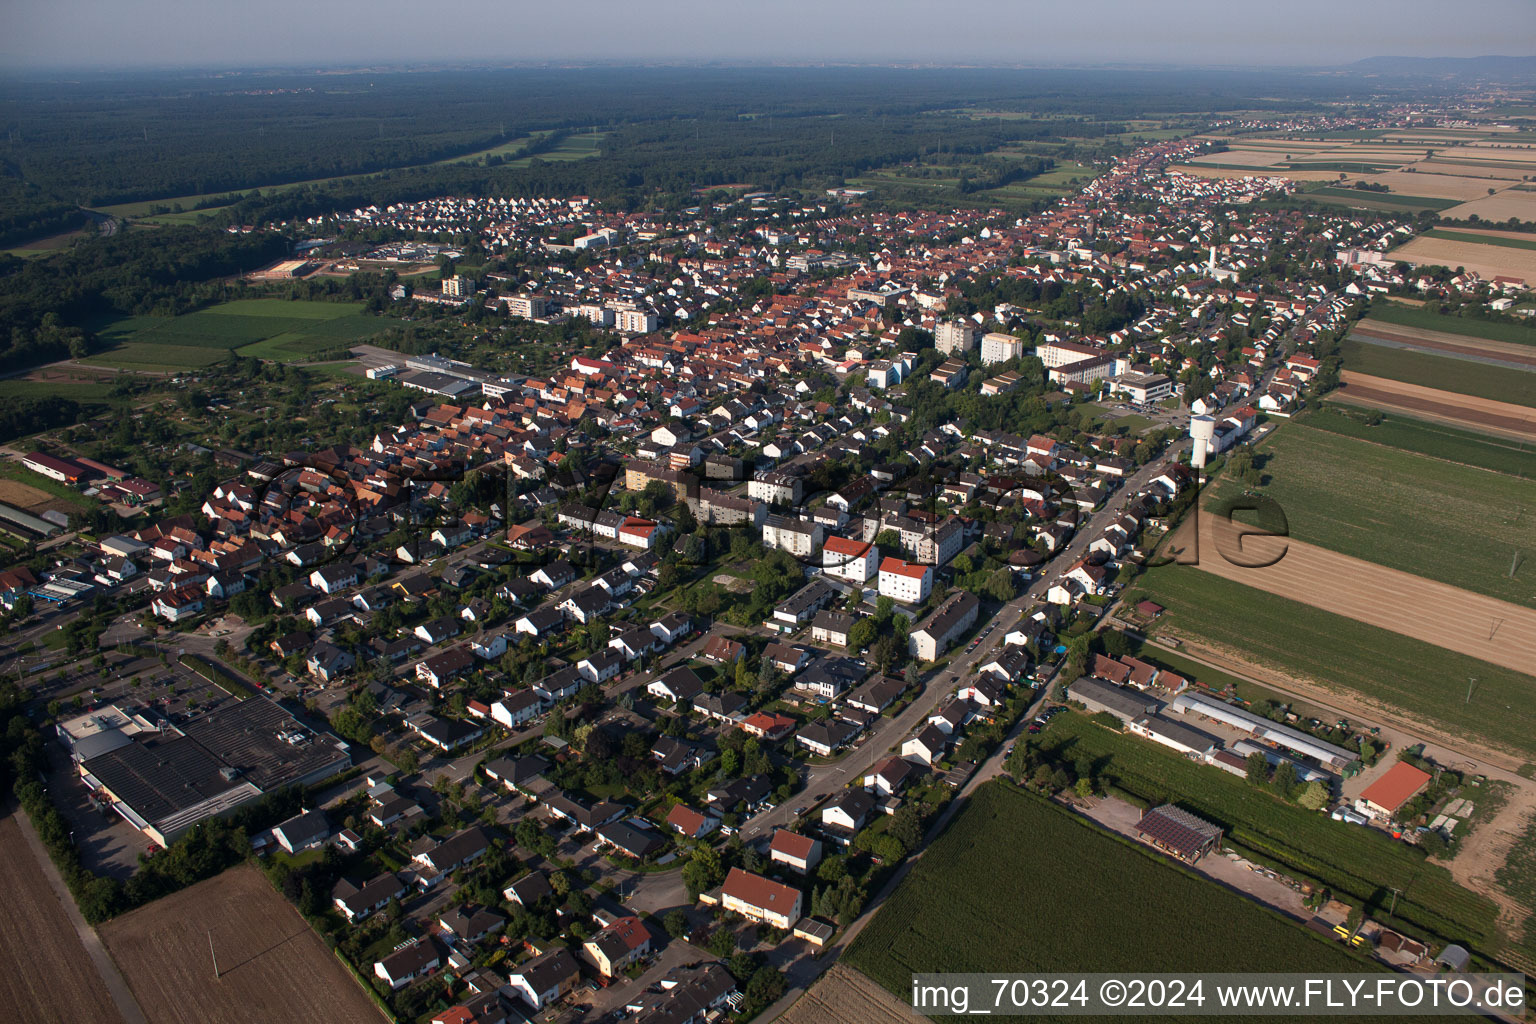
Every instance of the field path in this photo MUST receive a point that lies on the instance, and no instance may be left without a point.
(1465, 411)
(1420, 337)
(71, 990)
(1458, 620)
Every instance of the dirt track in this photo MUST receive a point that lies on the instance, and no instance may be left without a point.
(844, 996)
(1458, 620)
(1446, 407)
(47, 975)
(273, 967)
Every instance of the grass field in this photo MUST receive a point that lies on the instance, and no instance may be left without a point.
(1456, 524)
(1463, 376)
(80, 391)
(1362, 864)
(1426, 682)
(272, 965)
(1454, 235)
(1430, 439)
(1017, 884)
(47, 976)
(1375, 200)
(1430, 320)
(262, 328)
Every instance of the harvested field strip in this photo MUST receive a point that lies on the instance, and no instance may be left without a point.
(844, 996)
(1391, 673)
(1446, 342)
(273, 967)
(1428, 319)
(48, 975)
(1431, 439)
(1481, 627)
(1371, 502)
(1439, 372)
(1523, 361)
(1496, 418)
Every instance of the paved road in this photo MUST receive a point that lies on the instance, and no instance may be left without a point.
(803, 972)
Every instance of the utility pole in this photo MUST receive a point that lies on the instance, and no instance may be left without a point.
(214, 955)
(1471, 682)
(1395, 893)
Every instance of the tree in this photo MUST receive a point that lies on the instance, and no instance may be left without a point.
(1284, 779)
(723, 942)
(765, 987)
(1257, 768)
(1314, 796)
(702, 872)
(676, 923)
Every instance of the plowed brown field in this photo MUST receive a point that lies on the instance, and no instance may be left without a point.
(273, 967)
(1465, 411)
(844, 996)
(1458, 620)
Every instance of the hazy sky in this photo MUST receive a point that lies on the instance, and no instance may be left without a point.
(204, 33)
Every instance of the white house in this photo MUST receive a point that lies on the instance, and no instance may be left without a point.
(904, 581)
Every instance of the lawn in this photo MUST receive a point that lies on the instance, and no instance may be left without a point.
(1457, 524)
(1431, 439)
(1425, 681)
(1444, 373)
(1361, 864)
(1430, 320)
(261, 328)
(1017, 884)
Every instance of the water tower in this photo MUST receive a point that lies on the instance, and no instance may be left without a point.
(1202, 429)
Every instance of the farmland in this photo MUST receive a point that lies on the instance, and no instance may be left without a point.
(1500, 419)
(1430, 320)
(1429, 439)
(272, 965)
(1388, 671)
(259, 328)
(47, 975)
(1369, 502)
(1359, 863)
(947, 917)
(1440, 372)
(1489, 260)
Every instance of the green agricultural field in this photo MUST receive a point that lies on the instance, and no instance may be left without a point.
(1389, 202)
(1017, 884)
(1430, 320)
(80, 391)
(262, 328)
(1425, 681)
(1362, 864)
(1457, 524)
(136, 355)
(1431, 439)
(1444, 373)
(1454, 235)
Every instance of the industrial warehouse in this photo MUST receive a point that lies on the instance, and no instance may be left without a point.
(164, 779)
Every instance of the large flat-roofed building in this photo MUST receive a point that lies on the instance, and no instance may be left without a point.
(167, 780)
(1122, 702)
(954, 336)
(1264, 731)
(1143, 388)
(998, 347)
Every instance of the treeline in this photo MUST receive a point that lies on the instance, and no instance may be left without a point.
(23, 416)
(51, 305)
(112, 139)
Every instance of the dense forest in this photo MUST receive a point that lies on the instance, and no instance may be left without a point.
(99, 140)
